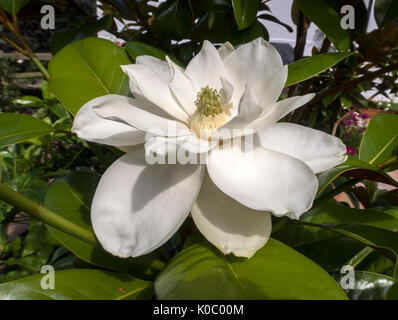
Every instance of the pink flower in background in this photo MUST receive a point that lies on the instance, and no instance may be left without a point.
(351, 150)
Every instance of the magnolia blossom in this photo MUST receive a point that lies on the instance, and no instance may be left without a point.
(137, 206)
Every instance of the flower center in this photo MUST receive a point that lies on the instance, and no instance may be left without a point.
(212, 111)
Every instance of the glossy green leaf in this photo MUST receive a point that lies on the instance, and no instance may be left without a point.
(384, 241)
(380, 141)
(328, 20)
(255, 31)
(245, 12)
(307, 68)
(62, 38)
(355, 168)
(17, 128)
(294, 235)
(174, 19)
(367, 285)
(138, 48)
(71, 197)
(86, 69)
(78, 284)
(13, 6)
(276, 271)
(392, 292)
(385, 11)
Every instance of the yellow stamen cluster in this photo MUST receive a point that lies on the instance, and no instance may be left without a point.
(208, 102)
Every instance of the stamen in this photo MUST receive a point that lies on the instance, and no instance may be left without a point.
(208, 102)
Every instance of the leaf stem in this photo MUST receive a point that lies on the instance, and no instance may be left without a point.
(35, 210)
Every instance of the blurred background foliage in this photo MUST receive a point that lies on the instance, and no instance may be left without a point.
(177, 28)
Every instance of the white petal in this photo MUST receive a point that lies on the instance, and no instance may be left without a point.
(153, 86)
(206, 68)
(159, 66)
(319, 150)
(278, 110)
(257, 59)
(87, 125)
(182, 87)
(227, 224)
(127, 110)
(225, 50)
(137, 207)
(262, 179)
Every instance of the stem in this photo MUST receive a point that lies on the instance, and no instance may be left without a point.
(35, 210)
(39, 65)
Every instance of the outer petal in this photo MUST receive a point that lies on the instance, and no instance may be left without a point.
(127, 110)
(257, 59)
(227, 224)
(262, 179)
(89, 126)
(138, 207)
(278, 110)
(319, 150)
(155, 87)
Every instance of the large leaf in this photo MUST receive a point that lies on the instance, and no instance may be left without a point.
(355, 168)
(78, 284)
(309, 67)
(255, 31)
(174, 19)
(392, 293)
(385, 11)
(276, 271)
(62, 38)
(328, 20)
(380, 141)
(71, 197)
(245, 12)
(16, 128)
(137, 48)
(13, 6)
(368, 285)
(86, 69)
(295, 235)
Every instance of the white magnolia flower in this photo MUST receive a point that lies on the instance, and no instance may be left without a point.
(137, 207)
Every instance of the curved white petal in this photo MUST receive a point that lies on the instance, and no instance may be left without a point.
(206, 68)
(182, 87)
(264, 180)
(257, 59)
(225, 49)
(278, 110)
(319, 150)
(87, 125)
(127, 110)
(161, 67)
(227, 224)
(153, 86)
(137, 207)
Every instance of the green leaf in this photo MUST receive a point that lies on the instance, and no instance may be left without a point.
(78, 284)
(174, 19)
(355, 168)
(294, 235)
(307, 68)
(274, 19)
(245, 12)
(392, 292)
(70, 197)
(86, 69)
(17, 128)
(276, 271)
(385, 11)
(328, 20)
(368, 285)
(13, 6)
(138, 48)
(380, 141)
(62, 38)
(255, 31)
